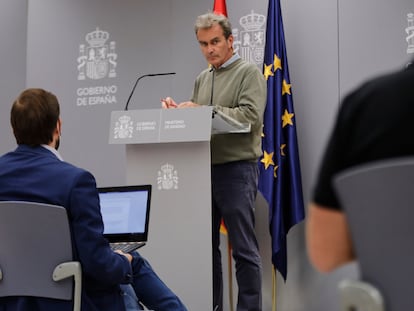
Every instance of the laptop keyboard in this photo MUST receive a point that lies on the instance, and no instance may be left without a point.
(126, 247)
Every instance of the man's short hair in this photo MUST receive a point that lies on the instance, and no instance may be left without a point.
(34, 116)
(209, 19)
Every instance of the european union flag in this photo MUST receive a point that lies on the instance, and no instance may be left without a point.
(280, 177)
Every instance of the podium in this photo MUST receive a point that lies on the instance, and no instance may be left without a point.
(170, 149)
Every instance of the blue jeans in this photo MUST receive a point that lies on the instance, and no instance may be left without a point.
(130, 298)
(148, 289)
(234, 189)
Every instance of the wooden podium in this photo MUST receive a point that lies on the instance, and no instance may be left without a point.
(170, 149)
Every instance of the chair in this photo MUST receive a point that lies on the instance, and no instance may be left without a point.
(357, 295)
(378, 201)
(36, 253)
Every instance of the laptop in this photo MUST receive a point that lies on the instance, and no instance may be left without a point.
(125, 213)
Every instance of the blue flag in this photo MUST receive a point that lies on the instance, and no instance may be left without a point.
(280, 177)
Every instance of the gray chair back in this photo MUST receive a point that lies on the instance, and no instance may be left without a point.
(35, 250)
(378, 200)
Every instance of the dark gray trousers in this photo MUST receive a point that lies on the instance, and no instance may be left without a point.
(234, 189)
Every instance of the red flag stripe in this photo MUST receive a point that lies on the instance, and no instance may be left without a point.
(220, 7)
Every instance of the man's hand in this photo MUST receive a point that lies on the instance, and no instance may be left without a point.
(168, 102)
(187, 105)
(128, 256)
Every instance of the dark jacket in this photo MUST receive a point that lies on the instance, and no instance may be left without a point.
(36, 174)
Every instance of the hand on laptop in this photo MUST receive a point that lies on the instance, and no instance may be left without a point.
(128, 256)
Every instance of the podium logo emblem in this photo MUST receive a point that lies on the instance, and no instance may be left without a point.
(167, 177)
(123, 128)
(97, 60)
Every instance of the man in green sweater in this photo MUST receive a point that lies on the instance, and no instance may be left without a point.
(237, 89)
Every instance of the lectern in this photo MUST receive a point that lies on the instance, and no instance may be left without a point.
(170, 149)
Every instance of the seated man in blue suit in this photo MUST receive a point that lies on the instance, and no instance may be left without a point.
(36, 172)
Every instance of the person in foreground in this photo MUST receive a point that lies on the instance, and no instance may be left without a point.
(374, 122)
(237, 89)
(36, 172)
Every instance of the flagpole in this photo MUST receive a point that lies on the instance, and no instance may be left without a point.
(274, 285)
(230, 274)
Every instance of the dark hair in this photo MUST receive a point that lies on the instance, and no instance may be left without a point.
(209, 19)
(34, 116)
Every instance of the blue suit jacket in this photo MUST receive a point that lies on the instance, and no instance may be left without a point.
(36, 174)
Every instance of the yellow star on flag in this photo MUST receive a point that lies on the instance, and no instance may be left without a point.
(267, 159)
(275, 171)
(286, 87)
(277, 63)
(282, 149)
(268, 71)
(287, 118)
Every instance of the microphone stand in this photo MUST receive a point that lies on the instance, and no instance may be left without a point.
(139, 78)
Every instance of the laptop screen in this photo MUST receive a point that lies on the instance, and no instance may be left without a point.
(125, 212)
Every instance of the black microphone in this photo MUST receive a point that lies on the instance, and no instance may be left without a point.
(140, 77)
(212, 70)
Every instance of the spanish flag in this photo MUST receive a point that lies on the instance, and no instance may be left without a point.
(220, 7)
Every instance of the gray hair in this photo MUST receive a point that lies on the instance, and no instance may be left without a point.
(209, 19)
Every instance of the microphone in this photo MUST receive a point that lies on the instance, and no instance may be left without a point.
(212, 70)
(140, 77)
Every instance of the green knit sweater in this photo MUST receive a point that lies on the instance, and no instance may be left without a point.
(239, 92)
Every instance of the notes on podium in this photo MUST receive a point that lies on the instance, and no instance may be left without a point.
(170, 125)
(222, 124)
